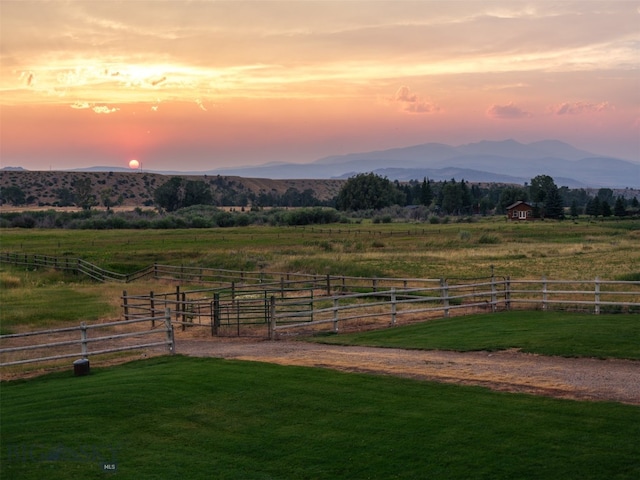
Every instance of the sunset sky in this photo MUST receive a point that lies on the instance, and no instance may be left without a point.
(200, 85)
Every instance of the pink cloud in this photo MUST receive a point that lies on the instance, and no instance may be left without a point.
(507, 112)
(412, 103)
(576, 108)
(404, 95)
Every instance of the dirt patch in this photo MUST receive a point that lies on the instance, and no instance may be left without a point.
(510, 370)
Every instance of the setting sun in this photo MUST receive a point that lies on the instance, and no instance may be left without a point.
(134, 164)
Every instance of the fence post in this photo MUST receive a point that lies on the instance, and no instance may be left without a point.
(170, 337)
(494, 299)
(507, 293)
(177, 303)
(445, 296)
(311, 306)
(335, 315)
(375, 284)
(597, 292)
(328, 285)
(393, 306)
(152, 305)
(125, 305)
(272, 317)
(83, 339)
(184, 311)
(215, 321)
(544, 293)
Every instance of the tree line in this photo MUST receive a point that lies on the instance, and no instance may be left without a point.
(365, 192)
(368, 191)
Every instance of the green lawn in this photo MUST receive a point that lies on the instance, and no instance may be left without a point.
(546, 333)
(194, 418)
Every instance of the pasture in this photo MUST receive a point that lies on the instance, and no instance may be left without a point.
(561, 250)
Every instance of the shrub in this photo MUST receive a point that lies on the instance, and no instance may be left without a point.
(487, 239)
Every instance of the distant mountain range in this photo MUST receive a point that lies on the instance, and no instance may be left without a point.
(497, 162)
(505, 161)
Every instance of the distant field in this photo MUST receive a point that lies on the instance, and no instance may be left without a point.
(545, 333)
(179, 418)
(560, 250)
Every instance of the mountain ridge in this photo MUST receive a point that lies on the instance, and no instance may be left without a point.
(490, 161)
(485, 161)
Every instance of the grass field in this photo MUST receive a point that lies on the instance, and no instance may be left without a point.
(178, 417)
(567, 250)
(545, 333)
(45, 299)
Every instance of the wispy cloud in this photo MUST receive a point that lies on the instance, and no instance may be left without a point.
(509, 111)
(100, 109)
(576, 108)
(80, 105)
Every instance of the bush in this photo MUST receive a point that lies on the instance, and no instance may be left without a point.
(464, 235)
(486, 239)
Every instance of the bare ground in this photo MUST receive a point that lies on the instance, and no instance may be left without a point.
(511, 371)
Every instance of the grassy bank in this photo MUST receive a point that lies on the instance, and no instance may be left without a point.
(177, 417)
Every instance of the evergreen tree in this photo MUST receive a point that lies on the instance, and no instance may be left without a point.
(606, 209)
(553, 204)
(594, 208)
(619, 209)
(426, 194)
(452, 197)
(574, 209)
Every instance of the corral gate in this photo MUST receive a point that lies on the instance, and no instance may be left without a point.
(237, 313)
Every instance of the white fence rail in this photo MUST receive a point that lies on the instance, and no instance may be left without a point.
(84, 341)
(596, 295)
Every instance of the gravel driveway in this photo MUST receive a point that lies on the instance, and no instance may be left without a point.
(511, 370)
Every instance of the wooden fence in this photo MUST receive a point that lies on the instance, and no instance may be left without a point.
(233, 310)
(248, 310)
(213, 276)
(76, 341)
(73, 265)
(386, 307)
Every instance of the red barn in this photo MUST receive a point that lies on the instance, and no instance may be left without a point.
(520, 211)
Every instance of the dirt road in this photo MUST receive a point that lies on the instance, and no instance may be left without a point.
(513, 371)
